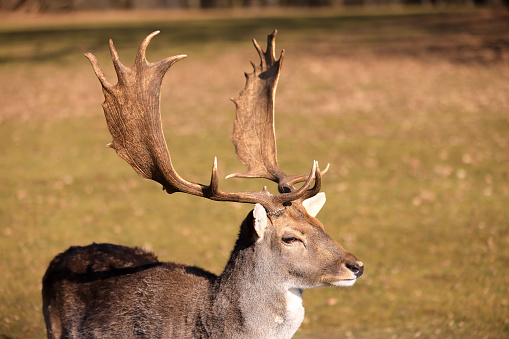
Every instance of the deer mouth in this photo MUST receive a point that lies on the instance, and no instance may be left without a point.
(344, 282)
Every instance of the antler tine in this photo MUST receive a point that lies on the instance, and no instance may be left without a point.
(294, 179)
(261, 54)
(140, 56)
(98, 71)
(120, 69)
(318, 184)
(213, 188)
(271, 46)
(212, 192)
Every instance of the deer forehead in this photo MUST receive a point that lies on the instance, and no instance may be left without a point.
(297, 219)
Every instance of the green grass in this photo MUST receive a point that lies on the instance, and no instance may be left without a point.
(409, 107)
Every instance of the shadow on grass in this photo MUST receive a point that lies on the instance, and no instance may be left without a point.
(409, 34)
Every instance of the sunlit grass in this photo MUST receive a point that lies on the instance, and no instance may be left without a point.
(417, 140)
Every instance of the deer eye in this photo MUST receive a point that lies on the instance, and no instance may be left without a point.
(289, 240)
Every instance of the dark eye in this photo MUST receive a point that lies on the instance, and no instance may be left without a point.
(290, 240)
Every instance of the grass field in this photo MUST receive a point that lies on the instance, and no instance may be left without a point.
(410, 107)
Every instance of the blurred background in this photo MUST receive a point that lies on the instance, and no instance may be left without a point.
(69, 5)
(407, 100)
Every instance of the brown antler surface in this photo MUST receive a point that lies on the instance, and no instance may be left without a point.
(133, 116)
(131, 108)
(253, 132)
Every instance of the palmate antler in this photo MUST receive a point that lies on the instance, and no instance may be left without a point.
(253, 130)
(133, 116)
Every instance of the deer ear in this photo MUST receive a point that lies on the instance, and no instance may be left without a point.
(260, 219)
(314, 204)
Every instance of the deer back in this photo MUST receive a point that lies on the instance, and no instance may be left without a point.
(105, 290)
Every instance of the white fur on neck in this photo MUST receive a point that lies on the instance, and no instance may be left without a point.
(281, 324)
(294, 311)
(294, 303)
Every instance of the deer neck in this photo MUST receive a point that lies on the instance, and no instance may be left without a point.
(261, 304)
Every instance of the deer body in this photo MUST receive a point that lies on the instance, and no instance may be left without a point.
(105, 290)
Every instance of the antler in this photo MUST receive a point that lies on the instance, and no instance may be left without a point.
(133, 116)
(253, 131)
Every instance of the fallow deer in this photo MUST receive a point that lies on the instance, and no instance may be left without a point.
(112, 291)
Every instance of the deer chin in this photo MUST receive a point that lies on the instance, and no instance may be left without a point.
(344, 282)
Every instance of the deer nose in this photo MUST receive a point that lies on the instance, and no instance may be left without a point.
(357, 268)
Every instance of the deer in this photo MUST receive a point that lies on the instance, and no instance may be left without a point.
(113, 291)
